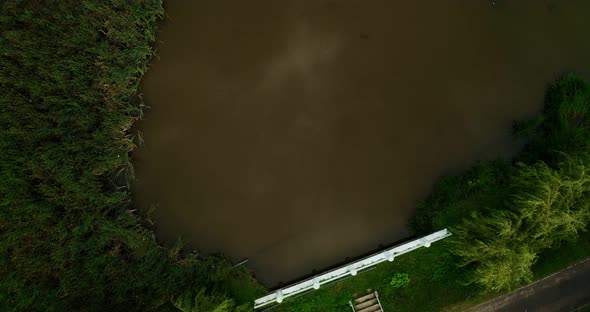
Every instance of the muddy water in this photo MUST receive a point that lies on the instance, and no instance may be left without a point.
(299, 133)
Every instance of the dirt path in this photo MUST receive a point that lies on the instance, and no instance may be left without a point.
(567, 290)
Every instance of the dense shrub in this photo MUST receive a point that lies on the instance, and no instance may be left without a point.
(504, 215)
(454, 197)
(546, 206)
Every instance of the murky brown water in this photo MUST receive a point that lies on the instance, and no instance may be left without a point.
(298, 133)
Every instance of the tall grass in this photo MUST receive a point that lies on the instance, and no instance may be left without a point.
(69, 72)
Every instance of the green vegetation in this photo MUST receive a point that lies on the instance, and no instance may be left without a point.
(545, 202)
(69, 238)
(400, 280)
(545, 206)
(513, 222)
(207, 302)
(433, 284)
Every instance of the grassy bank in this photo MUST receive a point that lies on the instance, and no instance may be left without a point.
(432, 285)
(434, 282)
(69, 240)
(513, 221)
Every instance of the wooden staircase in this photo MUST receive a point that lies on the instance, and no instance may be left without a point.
(367, 303)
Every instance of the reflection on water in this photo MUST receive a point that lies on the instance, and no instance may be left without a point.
(298, 133)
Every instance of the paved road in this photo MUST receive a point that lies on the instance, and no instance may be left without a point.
(567, 290)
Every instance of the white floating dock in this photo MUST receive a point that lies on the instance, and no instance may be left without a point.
(349, 269)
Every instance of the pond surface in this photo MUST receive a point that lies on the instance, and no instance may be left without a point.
(299, 133)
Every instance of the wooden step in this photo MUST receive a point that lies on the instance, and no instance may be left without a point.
(365, 304)
(364, 298)
(373, 308)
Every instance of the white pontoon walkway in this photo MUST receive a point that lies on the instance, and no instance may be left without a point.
(349, 269)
